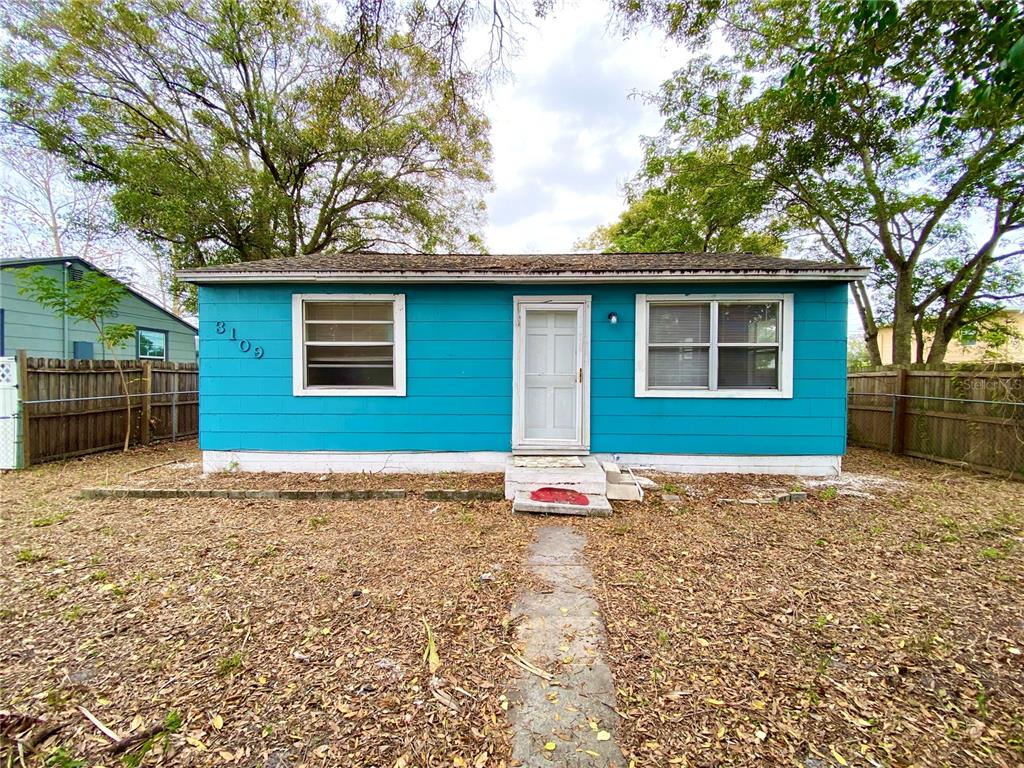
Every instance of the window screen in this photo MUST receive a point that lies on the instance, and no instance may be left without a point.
(748, 346)
(713, 345)
(679, 337)
(349, 343)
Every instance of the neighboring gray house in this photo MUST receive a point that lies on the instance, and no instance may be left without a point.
(24, 324)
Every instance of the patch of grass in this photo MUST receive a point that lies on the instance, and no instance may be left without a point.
(99, 576)
(27, 556)
(925, 645)
(6, 613)
(318, 521)
(678, 490)
(874, 619)
(42, 522)
(981, 699)
(172, 724)
(229, 664)
(663, 638)
(1000, 552)
(268, 551)
(55, 699)
(622, 529)
(74, 613)
(54, 592)
(61, 758)
(829, 493)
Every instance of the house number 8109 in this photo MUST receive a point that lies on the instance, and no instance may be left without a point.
(243, 344)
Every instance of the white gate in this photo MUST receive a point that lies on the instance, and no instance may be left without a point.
(9, 417)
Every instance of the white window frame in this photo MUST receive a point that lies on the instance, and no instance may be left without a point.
(785, 343)
(299, 387)
(139, 330)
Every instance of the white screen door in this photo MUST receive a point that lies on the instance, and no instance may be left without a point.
(551, 375)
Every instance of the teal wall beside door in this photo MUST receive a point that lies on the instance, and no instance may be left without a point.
(459, 377)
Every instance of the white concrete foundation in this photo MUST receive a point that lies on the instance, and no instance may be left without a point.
(331, 461)
(697, 464)
(495, 461)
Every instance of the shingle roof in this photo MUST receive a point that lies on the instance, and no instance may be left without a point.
(536, 265)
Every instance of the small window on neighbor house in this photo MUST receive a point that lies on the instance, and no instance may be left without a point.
(351, 345)
(152, 344)
(724, 346)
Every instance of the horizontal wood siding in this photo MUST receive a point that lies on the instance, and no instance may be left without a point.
(459, 378)
(40, 332)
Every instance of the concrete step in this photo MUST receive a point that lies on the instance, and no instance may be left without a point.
(597, 506)
(612, 472)
(624, 491)
(587, 476)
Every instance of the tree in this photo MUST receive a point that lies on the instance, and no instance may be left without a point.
(94, 299)
(235, 130)
(690, 201)
(886, 130)
(45, 212)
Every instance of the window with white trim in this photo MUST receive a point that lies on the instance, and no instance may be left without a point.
(706, 346)
(151, 344)
(351, 344)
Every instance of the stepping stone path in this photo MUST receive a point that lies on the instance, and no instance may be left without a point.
(569, 720)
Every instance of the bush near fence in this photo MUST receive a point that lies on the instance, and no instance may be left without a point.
(75, 407)
(972, 418)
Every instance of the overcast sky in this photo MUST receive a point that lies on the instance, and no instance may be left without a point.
(566, 129)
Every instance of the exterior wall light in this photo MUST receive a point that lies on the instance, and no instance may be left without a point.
(613, 318)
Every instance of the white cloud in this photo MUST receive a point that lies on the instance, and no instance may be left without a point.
(566, 131)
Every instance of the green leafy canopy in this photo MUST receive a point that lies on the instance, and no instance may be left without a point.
(94, 298)
(888, 134)
(234, 130)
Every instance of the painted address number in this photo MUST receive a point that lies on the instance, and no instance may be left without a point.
(243, 344)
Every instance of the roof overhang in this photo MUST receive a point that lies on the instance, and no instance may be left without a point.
(725, 276)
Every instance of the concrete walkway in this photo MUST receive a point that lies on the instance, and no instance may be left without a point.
(569, 720)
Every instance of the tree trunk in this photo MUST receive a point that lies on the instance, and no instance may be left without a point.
(918, 342)
(867, 318)
(940, 344)
(127, 402)
(902, 319)
(124, 386)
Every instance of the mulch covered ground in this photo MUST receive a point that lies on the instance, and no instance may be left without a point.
(846, 630)
(268, 633)
(838, 631)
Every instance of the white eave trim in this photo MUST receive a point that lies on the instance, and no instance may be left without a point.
(845, 276)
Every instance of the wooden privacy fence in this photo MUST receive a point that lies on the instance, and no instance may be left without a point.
(973, 419)
(73, 407)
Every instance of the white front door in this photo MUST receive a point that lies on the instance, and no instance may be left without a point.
(550, 389)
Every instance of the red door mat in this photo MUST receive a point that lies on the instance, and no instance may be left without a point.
(559, 496)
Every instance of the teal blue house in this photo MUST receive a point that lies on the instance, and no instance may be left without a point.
(687, 362)
(24, 324)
